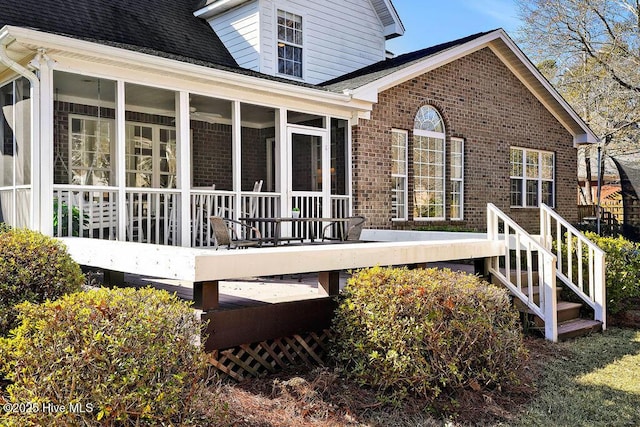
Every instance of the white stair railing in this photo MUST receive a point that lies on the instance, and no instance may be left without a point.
(580, 262)
(524, 254)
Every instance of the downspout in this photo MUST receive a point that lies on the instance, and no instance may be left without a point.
(35, 220)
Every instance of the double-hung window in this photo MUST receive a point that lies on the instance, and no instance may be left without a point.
(532, 177)
(289, 44)
(399, 174)
(428, 165)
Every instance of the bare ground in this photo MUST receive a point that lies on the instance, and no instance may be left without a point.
(321, 397)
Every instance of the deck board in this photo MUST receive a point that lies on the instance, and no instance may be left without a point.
(197, 265)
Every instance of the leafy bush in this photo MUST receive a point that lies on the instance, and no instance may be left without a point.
(133, 355)
(33, 267)
(622, 272)
(424, 332)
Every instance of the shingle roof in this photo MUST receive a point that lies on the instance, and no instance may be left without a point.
(380, 69)
(160, 27)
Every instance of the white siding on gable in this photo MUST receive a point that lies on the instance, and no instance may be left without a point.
(239, 30)
(340, 36)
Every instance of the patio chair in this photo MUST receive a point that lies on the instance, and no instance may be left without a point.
(253, 201)
(351, 233)
(226, 235)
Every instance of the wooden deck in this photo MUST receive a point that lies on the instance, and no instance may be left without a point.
(205, 274)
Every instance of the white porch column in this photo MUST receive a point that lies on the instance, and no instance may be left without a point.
(236, 155)
(42, 152)
(282, 162)
(183, 159)
(121, 175)
(326, 169)
(349, 158)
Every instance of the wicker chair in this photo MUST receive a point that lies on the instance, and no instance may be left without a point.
(225, 234)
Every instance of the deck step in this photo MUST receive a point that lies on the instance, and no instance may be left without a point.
(536, 296)
(578, 328)
(567, 311)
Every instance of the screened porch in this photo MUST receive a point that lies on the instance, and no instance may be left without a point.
(148, 164)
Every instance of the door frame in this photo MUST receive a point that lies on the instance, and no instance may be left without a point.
(323, 134)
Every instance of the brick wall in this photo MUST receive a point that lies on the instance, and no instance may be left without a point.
(481, 101)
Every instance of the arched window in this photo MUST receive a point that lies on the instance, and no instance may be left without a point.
(428, 165)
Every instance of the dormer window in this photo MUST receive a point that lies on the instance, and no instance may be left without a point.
(289, 44)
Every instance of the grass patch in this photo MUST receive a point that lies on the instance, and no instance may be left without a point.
(592, 381)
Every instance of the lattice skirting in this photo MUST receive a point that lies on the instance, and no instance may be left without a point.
(268, 356)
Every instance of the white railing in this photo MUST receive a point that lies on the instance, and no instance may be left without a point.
(85, 211)
(580, 262)
(204, 204)
(524, 254)
(15, 206)
(340, 206)
(310, 205)
(152, 216)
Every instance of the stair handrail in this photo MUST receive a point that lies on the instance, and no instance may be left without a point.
(596, 295)
(519, 241)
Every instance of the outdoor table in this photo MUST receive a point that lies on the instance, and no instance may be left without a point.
(275, 224)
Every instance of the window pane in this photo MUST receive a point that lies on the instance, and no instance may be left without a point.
(428, 119)
(547, 193)
(516, 162)
(516, 192)
(547, 165)
(532, 192)
(532, 164)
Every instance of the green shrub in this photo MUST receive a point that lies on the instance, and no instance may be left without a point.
(34, 268)
(425, 332)
(133, 355)
(622, 272)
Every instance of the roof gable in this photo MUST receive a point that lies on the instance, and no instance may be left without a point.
(163, 27)
(368, 82)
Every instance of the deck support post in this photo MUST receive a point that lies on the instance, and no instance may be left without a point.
(113, 278)
(329, 283)
(206, 295)
(481, 267)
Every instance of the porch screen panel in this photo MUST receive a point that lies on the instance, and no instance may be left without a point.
(84, 130)
(7, 153)
(339, 157)
(23, 132)
(15, 153)
(306, 157)
(150, 137)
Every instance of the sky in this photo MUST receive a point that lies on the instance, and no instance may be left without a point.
(430, 22)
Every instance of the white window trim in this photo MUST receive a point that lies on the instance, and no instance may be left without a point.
(156, 147)
(539, 178)
(112, 155)
(461, 179)
(442, 136)
(405, 214)
(287, 8)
